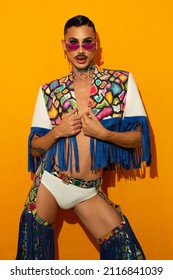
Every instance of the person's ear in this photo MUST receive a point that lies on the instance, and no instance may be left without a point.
(63, 45)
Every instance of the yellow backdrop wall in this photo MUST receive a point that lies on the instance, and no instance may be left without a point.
(135, 36)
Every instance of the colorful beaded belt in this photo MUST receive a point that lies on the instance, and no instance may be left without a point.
(77, 182)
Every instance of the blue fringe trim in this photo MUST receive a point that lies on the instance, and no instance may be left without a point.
(106, 154)
(66, 147)
(65, 151)
(103, 154)
(32, 162)
(36, 241)
(123, 245)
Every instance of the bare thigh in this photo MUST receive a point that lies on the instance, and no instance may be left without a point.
(98, 216)
(46, 204)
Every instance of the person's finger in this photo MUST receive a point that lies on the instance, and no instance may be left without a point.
(84, 116)
(72, 112)
(91, 114)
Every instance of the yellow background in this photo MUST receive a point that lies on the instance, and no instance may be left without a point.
(135, 36)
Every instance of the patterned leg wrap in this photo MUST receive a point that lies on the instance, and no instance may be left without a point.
(36, 236)
(121, 244)
(36, 239)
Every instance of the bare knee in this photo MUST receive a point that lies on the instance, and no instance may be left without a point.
(46, 205)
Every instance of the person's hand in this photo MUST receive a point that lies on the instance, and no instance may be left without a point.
(70, 125)
(91, 126)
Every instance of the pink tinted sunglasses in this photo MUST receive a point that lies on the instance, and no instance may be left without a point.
(85, 46)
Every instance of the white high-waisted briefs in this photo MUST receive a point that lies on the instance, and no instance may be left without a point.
(66, 195)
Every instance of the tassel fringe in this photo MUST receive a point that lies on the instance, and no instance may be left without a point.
(103, 154)
(108, 155)
(36, 240)
(121, 244)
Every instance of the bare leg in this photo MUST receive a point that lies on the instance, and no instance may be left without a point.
(98, 216)
(116, 237)
(46, 205)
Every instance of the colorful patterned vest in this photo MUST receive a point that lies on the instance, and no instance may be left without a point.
(108, 102)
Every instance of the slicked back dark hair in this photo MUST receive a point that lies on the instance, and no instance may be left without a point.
(78, 21)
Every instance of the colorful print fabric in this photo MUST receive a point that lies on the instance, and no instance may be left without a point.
(114, 99)
(107, 95)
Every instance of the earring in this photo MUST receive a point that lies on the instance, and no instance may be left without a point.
(65, 54)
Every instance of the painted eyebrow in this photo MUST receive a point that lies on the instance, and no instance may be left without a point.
(88, 38)
(75, 39)
(72, 38)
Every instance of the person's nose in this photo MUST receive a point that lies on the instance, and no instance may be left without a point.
(80, 49)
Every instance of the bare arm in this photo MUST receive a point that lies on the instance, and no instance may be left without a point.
(93, 128)
(70, 125)
(40, 144)
(128, 139)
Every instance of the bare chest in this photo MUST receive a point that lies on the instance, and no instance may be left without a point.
(82, 94)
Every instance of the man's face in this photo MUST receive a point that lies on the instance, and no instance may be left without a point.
(80, 44)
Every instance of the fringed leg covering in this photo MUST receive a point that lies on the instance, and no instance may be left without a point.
(36, 236)
(121, 244)
(36, 240)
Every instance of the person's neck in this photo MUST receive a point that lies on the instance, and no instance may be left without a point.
(83, 76)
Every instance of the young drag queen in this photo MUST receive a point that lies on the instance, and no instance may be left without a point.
(87, 121)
